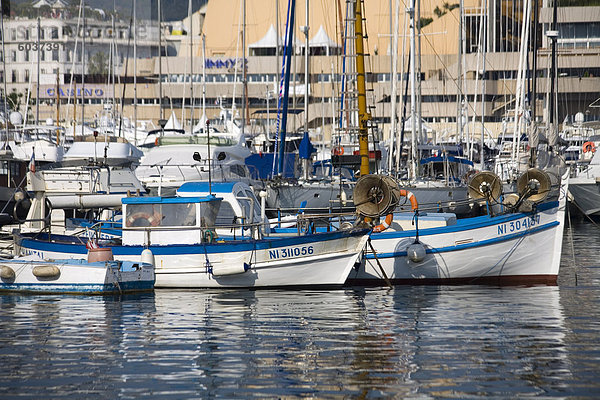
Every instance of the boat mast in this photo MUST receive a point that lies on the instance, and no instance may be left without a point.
(306, 70)
(82, 68)
(459, 127)
(364, 117)
(245, 110)
(394, 93)
(37, 99)
(134, 72)
(192, 102)
(533, 136)
(204, 77)
(160, 92)
(4, 77)
(413, 100)
(286, 84)
(553, 135)
(483, 51)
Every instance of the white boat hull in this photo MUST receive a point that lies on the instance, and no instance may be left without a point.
(70, 276)
(515, 248)
(296, 261)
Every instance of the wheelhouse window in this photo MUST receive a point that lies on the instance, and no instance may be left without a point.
(179, 214)
(154, 215)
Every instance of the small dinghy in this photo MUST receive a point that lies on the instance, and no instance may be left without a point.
(99, 274)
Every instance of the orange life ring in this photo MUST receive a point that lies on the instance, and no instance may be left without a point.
(153, 219)
(385, 224)
(411, 197)
(389, 218)
(589, 146)
(338, 151)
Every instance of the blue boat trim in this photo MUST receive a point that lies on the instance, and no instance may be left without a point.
(467, 224)
(82, 288)
(481, 243)
(66, 244)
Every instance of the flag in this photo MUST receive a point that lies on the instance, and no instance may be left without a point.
(32, 162)
(92, 244)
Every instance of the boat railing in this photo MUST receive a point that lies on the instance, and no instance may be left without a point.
(304, 224)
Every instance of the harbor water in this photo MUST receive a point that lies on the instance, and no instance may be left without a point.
(406, 342)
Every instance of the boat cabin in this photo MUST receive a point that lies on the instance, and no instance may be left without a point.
(169, 220)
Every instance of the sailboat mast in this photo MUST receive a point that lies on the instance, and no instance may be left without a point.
(192, 102)
(134, 72)
(37, 98)
(244, 77)
(306, 70)
(413, 100)
(4, 77)
(394, 93)
(363, 116)
(204, 75)
(552, 137)
(459, 127)
(160, 92)
(82, 68)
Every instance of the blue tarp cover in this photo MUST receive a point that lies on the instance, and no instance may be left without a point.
(306, 147)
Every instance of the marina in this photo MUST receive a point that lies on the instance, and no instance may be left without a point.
(207, 199)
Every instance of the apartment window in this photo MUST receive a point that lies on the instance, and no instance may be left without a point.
(1, 56)
(69, 55)
(14, 76)
(13, 56)
(13, 34)
(26, 56)
(43, 55)
(42, 33)
(54, 55)
(54, 33)
(26, 75)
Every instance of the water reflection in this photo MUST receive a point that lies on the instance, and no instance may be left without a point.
(408, 342)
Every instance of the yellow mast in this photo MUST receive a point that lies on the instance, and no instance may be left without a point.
(363, 116)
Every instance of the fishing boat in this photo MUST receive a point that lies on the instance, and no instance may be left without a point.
(517, 241)
(179, 231)
(75, 276)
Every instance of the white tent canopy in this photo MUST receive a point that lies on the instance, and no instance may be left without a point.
(322, 41)
(267, 44)
(41, 3)
(269, 40)
(60, 4)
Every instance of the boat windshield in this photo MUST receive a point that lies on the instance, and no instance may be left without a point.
(153, 215)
